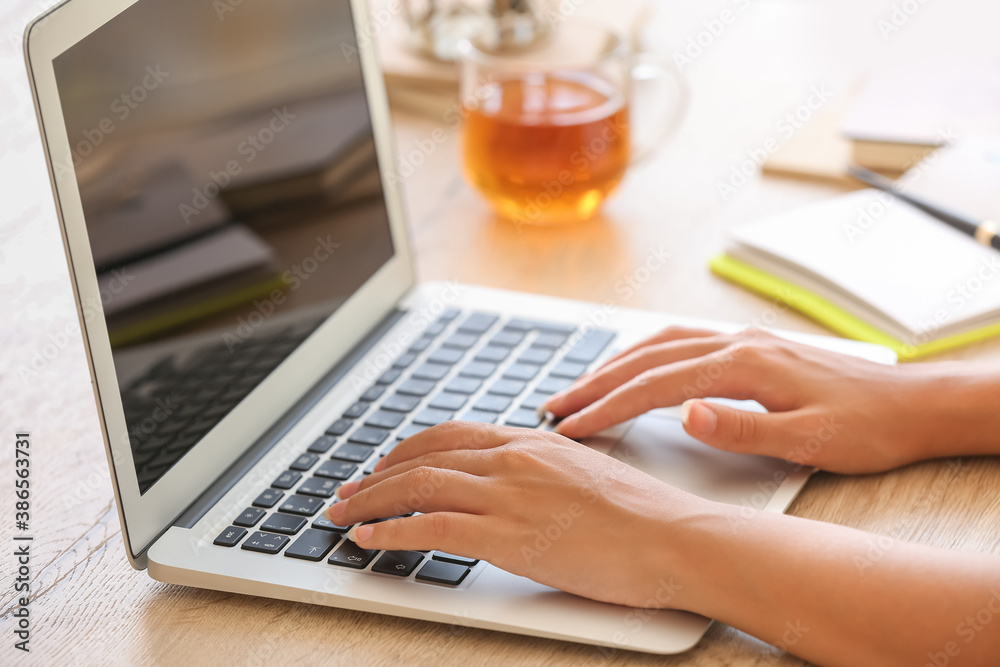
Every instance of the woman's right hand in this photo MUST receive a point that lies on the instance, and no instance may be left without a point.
(825, 409)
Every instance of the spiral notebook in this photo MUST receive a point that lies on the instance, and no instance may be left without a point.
(873, 268)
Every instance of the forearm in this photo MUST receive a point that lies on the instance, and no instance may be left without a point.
(835, 595)
(955, 409)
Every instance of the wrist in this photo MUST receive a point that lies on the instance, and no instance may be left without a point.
(952, 410)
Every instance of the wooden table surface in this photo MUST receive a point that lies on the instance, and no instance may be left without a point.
(90, 607)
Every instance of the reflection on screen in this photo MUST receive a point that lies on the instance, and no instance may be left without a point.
(227, 170)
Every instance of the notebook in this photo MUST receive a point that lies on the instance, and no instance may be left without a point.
(903, 114)
(873, 268)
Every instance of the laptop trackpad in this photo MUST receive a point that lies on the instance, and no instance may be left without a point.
(657, 444)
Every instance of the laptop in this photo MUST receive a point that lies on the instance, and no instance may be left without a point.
(237, 242)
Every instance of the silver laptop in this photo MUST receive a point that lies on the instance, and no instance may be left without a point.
(237, 242)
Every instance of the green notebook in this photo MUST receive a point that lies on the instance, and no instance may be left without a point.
(873, 269)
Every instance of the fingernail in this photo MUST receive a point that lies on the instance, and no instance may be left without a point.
(360, 533)
(561, 426)
(699, 417)
(336, 510)
(346, 490)
(380, 466)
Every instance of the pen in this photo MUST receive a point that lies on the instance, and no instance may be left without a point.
(984, 231)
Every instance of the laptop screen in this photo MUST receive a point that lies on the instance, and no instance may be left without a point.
(225, 161)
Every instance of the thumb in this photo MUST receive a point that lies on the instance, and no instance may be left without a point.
(724, 427)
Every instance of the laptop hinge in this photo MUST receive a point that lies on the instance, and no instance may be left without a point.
(270, 438)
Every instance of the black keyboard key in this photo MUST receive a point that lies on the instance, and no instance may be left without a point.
(520, 372)
(301, 505)
(304, 462)
(385, 419)
(389, 376)
(435, 329)
(314, 545)
(478, 323)
(286, 524)
(385, 450)
(478, 369)
(460, 340)
(373, 393)
(286, 480)
(399, 563)
(433, 372)
(400, 403)
(449, 314)
(535, 401)
(536, 355)
(589, 346)
(463, 385)
(525, 418)
(356, 410)
(350, 554)
(265, 543)
(432, 417)
(552, 385)
(421, 344)
(318, 486)
(492, 403)
(445, 355)
(550, 340)
(448, 401)
(268, 498)
(452, 558)
(405, 360)
(409, 431)
(250, 517)
(481, 417)
(351, 452)
(322, 444)
(370, 468)
(336, 470)
(339, 427)
(507, 387)
(368, 435)
(540, 325)
(414, 387)
(568, 369)
(507, 338)
(322, 523)
(441, 572)
(492, 354)
(230, 537)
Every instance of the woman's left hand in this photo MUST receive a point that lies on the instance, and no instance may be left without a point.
(531, 502)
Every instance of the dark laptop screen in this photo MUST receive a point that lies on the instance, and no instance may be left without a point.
(225, 160)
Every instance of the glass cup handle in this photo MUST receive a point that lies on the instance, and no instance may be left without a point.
(652, 68)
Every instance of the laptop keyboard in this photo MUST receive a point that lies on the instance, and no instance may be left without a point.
(468, 366)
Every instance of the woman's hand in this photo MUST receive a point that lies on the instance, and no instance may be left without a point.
(829, 410)
(531, 502)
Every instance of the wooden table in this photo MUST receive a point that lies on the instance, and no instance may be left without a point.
(90, 607)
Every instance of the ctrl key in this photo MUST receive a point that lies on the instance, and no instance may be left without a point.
(265, 543)
(230, 537)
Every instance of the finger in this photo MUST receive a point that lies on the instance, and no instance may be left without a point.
(716, 375)
(419, 490)
(664, 336)
(450, 435)
(608, 378)
(468, 461)
(461, 534)
(731, 429)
